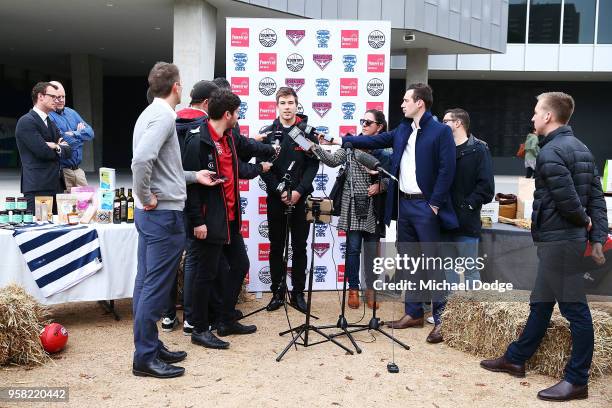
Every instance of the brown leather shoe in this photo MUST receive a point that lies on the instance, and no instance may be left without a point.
(501, 365)
(405, 322)
(435, 335)
(370, 299)
(564, 391)
(353, 301)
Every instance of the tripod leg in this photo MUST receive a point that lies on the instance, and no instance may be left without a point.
(407, 347)
(342, 346)
(293, 342)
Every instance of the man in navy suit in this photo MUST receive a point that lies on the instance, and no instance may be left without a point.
(424, 162)
(40, 146)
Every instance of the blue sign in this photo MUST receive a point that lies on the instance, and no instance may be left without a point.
(322, 85)
(349, 62)
(348, 109)
(240, 60)
(323, 38)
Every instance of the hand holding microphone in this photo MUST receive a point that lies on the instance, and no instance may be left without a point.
(370, 162)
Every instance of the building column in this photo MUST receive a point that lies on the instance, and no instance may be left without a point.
(87, 84)
(195, 35)
(416, 65)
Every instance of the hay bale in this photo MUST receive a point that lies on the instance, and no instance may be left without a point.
(22, 319)
(484, 328)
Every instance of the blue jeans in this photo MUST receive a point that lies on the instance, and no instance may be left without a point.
(461, 246)
(161, 240)
(353, 259)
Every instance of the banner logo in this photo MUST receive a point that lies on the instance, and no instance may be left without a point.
(322, 38)
(375, 105)
(323, 130)
(348, 109)
(243, 204)
(240, 85)
(349, 39)
(342, 250)
(244, 130)
(320, 229)
(267, 110)
(263, 254)
(322, 60)
(376, 63)
(244, 229)
(263, 228)
(240, 37)
(321, 108)
(322, 85)
(262, 184)
(267, 37)
(264, 275)
(321, 248)
(376, 39)
(295, 62)
(295, 36)
(263, 205)
(243, 185)
(320, 272)
(321, 181)
(348, 131)
(375, 87)
(267, 86)
(295, 83)
(267, 62)
(242, 110)
(240, 60)
(300, 109)
(348, 87)
(340, 276)
(349, 62)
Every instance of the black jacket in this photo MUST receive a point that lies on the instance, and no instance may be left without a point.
(40, 165)
(568, 191)
(473, 185)
(206, 205)
(305, 167)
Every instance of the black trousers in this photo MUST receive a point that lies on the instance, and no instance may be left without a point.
(298, 227)
(209, 277)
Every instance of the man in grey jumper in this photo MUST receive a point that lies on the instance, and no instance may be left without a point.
(159, 194)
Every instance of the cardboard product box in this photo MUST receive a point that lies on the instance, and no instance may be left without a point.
(524, 209)
(107, 178)
(105, 199)
(490, 210)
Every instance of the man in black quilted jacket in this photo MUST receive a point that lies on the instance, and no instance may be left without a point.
(568, 209)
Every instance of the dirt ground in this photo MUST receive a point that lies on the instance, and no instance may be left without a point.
(96, 366)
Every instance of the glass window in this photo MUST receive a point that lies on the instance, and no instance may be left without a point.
(544, 21)
(517, 21)
(604, 31)
(579, 22)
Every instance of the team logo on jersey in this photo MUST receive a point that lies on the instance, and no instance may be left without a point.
(240, 61)
(267, 37)
(321, 108)
(321, 248)
(264, 275)
(295, 83)
(375, 87)
(320, 273)
(267, 86)
(323, 38)
(349, 62)
(348, 109)
(295, 62)
(322, 60)
(322, 85)
(376, 39)
(263, 228)
(242, 110)
(295, 36)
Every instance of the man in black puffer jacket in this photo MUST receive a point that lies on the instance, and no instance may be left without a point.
(568, 209)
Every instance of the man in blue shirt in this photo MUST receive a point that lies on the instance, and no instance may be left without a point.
(75, 131)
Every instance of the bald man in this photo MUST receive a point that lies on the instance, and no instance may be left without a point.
(75, 131)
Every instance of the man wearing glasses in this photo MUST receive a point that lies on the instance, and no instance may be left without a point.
(74, 131)
(40, 146)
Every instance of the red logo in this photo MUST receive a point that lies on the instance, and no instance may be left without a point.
(243, 185)
(348, 86)
(351, 131)
(341, 233)
(244, 229)
(267, 110)
(322, 60)
(350, 39)
(263, 205)
(240, 85)
(267, 62)
(376, 62)
(244, 131)
(321, 108)
(375, 105)
(264, 252)
(240, 37)
(340, 273)
(295, 83)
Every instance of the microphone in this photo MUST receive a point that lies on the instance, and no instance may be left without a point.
(298, 137)
(370, 162)
(307, 129)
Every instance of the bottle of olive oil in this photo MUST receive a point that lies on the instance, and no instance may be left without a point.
(117, 208)
(130, 207)
(123, 202)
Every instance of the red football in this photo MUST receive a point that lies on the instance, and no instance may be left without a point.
(54, 337)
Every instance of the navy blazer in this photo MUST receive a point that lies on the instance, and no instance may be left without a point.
(435, 163)
(40, 165)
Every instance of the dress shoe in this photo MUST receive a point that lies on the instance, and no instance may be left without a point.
(353, 301)
(158, 369)
(224, 329)
(297, 300)
(435, 335)
(405, 322)
(564, 391)
(501, 365)
(276, 302)
(170, 357)
(207, 339)
(370, 299)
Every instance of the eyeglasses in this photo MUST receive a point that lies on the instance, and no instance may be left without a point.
(55, 97)
(445, 121)
(366, 122)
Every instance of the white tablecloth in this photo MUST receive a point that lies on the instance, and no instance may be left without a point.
(118, 244)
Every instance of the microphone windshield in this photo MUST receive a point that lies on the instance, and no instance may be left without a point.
(367, 160)
(348, 145)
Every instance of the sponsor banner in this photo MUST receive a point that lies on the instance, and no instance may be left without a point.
(376, 62)
(239, 37)
(240, 86)
(375, 105)
(348, 86)
(244, 131)
(263, 253)
(267, 110)
(263, 206)
(349, 39)
(340, 273)
(348, 130)
(243, 185)
(244, 229)
(267, 62)
(267, 37)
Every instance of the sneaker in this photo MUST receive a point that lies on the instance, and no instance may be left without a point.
(169, 324)
(431, 320)
(187, 328)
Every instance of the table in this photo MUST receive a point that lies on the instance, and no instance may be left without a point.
(118, 245)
